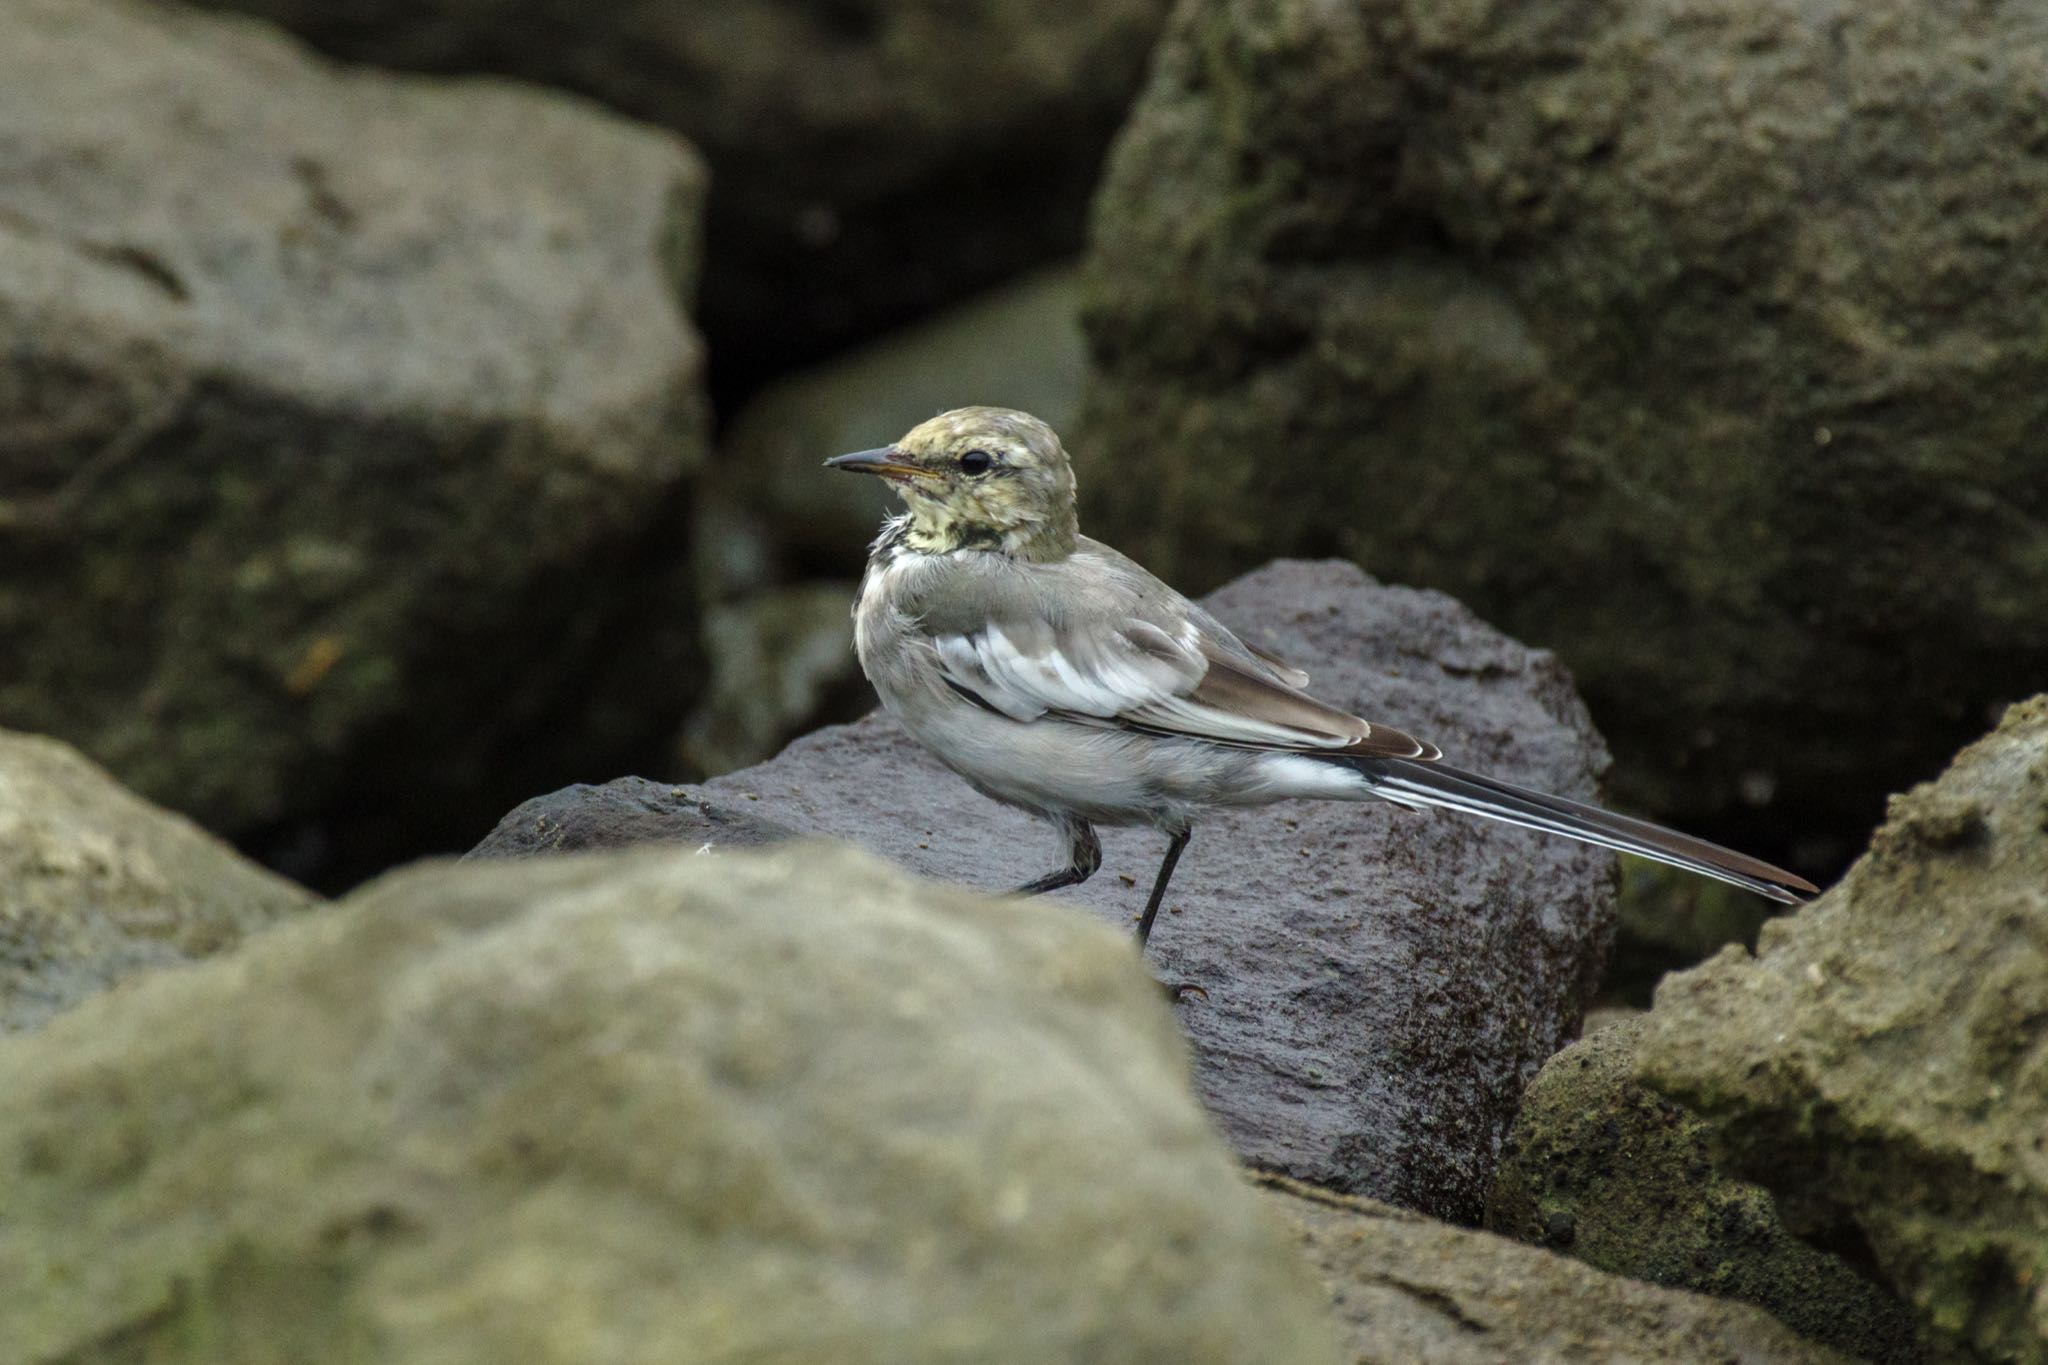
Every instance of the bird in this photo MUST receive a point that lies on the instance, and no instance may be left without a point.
(1058, 676)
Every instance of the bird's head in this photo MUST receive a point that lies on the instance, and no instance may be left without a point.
(990, 478)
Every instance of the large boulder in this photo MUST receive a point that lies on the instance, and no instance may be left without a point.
(96, 884)
(1408, 1289)
(1617, 1176)
(1699, 342)
(874, 158)
(332, 400)
(1380, 983)
(1881, 1065)
(652, 1107)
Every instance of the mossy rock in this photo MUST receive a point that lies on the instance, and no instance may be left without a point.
(1611, 1173)
(97, 885)
(1881, 1064)
(1700, 343)
(637, 1108)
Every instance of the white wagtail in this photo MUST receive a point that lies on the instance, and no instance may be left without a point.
(1057, 676)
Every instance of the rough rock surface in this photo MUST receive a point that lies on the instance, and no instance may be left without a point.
(1623, 1179)
(639, 1108)
(1882, 1065)
(1381, 984)
(874, 158)
(626, 813)
(331, 399)
(96, 884)
(1407, 1289)
(1682, 338)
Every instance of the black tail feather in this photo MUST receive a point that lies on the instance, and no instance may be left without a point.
(1440, 785)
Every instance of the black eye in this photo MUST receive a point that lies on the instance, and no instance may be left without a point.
(977, 462)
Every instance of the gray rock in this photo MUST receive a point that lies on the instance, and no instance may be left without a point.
(626, 813)
(648, 1108)
(1381, 984)
(334, 401)
(1700, 342)
(97, 885)
(1623, 1179)
(874, 158)
(1406, 1289)
(1880, 1065)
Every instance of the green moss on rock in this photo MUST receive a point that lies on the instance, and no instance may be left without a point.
(1881, 1065)
(1609, 1172)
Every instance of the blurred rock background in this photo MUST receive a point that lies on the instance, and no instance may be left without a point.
(408, 409)
(1699, 342)
(361, 475)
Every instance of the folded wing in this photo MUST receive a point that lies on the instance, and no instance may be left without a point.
(1186, 677)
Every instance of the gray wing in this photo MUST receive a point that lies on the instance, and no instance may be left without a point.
(1095, 638)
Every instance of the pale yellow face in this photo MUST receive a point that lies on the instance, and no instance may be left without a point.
(985, 477)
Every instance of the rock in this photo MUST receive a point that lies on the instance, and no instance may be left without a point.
(1683, 339)
(874, 159)
(97, 885)
(1881, 1066)
(335, 400)
(1381, 984)
(626, 813)
(646, 1107)
(1624, 1180)
(1017, 347)
(1407, 1289)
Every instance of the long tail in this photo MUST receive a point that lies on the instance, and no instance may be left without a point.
(1416, 784)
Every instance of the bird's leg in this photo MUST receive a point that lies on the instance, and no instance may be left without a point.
(1084, 856)
(1179, 841)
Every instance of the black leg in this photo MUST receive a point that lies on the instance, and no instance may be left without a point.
(1084, 856)
(1179, 842)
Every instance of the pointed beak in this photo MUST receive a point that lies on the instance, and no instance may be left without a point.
(887, 461)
